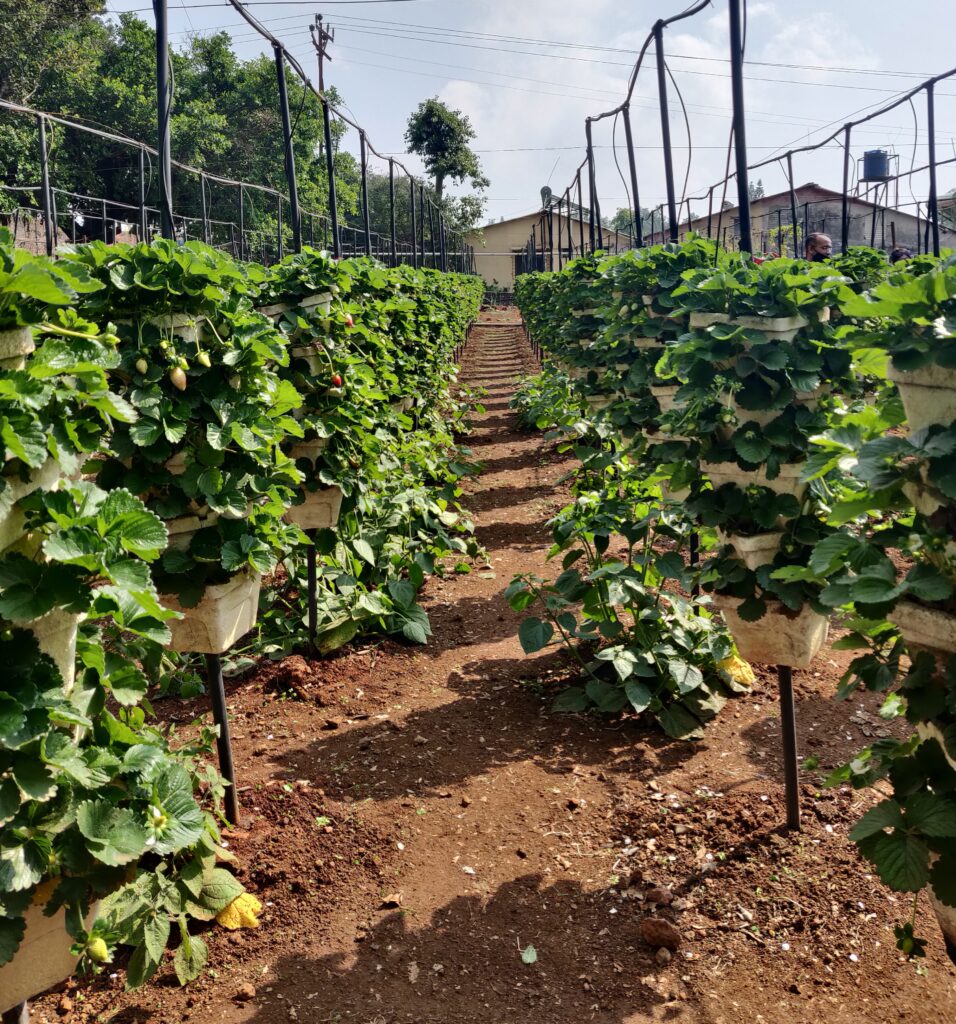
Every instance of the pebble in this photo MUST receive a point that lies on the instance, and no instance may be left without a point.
(660, 895)
(656, 931)
(245, 992)
(663, 956)
(65, 1005)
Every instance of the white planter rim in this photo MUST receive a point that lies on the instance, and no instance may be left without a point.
(779, 637)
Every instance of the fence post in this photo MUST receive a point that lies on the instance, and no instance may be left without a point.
(242, 222)
(666, 131)
(740, 131)
(279, 226)
(637, 233)
(932, 206)
(295, 215)
(143, 223)
(206, 227)
(411, 195)
(46, 204)
(421, 222)
(164, 113)
(431, 234)
(845, 205)
(793, 207)
(365, 214)
(391, 208)
(592, 185)
(330, 171)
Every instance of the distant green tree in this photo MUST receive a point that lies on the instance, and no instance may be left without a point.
(440, 136)
(755, 188)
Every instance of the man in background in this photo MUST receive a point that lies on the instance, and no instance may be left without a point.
(817, 247)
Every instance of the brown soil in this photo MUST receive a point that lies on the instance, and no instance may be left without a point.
(414, 818)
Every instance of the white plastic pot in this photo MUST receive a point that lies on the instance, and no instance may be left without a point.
(177, 464)
(926, 628)
(15, 345)
(778, 637)
(779, 328)
(314, 360)
(320, 300)
(12, 520)
(754, 551)
(318, 511)
(599, 402)
(702, 320)
(622, 367)
(226, 612)
(310, 450)
(925, 497)
(44, 958)
(666, 395)
(669, 493)
(584, 312)
(56, 635)
(182, 325)
(642, 343)
(928, 395)
(786, 482)
(182, 528)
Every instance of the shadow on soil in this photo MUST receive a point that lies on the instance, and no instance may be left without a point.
(465, 966)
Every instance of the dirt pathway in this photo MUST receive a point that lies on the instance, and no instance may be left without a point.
(420, 819)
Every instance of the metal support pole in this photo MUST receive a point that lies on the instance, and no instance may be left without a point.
(550, 239)
(710, 208)
(932, 207)
(163, 113)
(421, 222)
(295, 214)
(242, 222)
(411, 196)
(279, 242)
(143, 223)
(591, 183)
(637, 234)
(444, 249)
(366, 220)
(206, 227)
(845, 205)
(788, 725)
(740, 131)
(46, 203)
(431, 233)
(391, 209)
(560, 226)
(793, 207)
(217, 694)
(580, 212)
(666, 129)
(330, 171)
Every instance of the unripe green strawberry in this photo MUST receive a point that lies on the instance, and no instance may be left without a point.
(141, 365)
(97, 951)
(178, 377)
(203, 359)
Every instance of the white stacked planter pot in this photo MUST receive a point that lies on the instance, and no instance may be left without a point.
(756, 550)
(44, 958)
(319, 509)
(310, 355)
(779, 637)
(15, 490)
(786, 482)
(666, 396)
(16, 343)
(320, 301)
(182, 325)
(928, 395)
(226, 612)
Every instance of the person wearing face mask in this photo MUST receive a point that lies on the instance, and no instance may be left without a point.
(817, 247)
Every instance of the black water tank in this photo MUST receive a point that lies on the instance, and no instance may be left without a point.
(876, 165)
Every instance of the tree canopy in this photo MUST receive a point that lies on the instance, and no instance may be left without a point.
(440, 136)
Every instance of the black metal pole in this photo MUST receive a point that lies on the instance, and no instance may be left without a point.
(550, 239)
(793, 206)
(279, 241)
(163, 112)
(560, 227)
(143, 223)
(206, 227)
(217, 694)
(242, 222)
(330, 171)
(591, 183)
(431, 234)
(46, 203)
(932, 211)
(845, 205)
(580, 211)
(411, 196)
(710, 208)
(444, 249)
(421, 222)
(666, 129)
(391, 209)
(788, 725)
(637, 233)
(295, 214)
(365, 213)
(740, 131)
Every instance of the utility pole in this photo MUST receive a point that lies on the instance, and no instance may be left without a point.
(321, 36)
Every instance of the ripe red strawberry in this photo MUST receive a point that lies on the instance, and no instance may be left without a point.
(337, 381)
(348, 320)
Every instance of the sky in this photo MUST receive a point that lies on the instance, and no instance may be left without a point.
(528, 72)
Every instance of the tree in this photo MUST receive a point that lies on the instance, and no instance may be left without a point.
(440, 136)
(755, 189)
